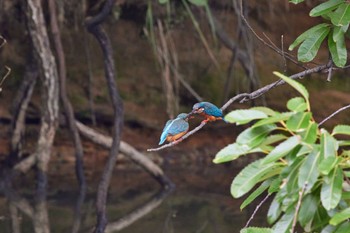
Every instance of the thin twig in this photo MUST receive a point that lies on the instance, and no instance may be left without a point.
(277, 50)
(283, 55)
(3, 78)
(330, 73)
(244, 97)
(301, 193)
(334, 113)
(3, 41)
(256, 210)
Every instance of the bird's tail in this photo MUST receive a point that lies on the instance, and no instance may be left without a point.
(162, 138)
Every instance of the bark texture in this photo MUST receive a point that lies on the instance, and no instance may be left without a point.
(94, 26)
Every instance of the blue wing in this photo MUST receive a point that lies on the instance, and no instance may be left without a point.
(178, 126)
(165, 132)
(212, 110)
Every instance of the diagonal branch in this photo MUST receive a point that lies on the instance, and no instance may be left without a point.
(244, 97)
(137, 157)
(333, 114)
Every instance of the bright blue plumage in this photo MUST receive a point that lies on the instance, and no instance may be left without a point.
(175, 127)
(209, 111)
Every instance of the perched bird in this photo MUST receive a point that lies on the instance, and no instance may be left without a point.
(175, 129)
(208, 110)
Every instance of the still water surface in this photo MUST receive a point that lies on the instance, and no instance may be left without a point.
(201, 202)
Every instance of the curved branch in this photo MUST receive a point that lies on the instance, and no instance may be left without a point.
(94, 27)
(153, 169)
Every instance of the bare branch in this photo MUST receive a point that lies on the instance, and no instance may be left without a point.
(256, 209)
(3, 78)
(94, 26)
(3, 41)
(333, 114)
(271, 46)
(301, 193)
(330, 72)
(137, 157)
(283, 55)
(244, 97)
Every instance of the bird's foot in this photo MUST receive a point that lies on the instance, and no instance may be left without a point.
(177, 141)
(205, 121)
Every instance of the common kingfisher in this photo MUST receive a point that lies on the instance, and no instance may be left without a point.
(208, 110)
(175, 129)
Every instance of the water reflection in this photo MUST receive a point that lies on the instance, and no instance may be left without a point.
(139, 212)
(200, 203)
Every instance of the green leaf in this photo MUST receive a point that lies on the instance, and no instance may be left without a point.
(343, 228)
(338, 32)
(297, 104)
(341, 129)
(310, 134)
(325, 7)
(250, 176)
(244, 116)
(344, 143)
(256, 193)
(338, 50)
(329, 145)
(256, 230)
(308, 33)
(300, 120)
(273, 139)
(282, 149)
(198, 2)
(285, 223)
(267, 111)
(304, 150)
(332, 189)
(308, 173)
(233, 151)
(296, 1)
(340, 217)
(345, 195)
(321, 218)
(309, 48)
(328, 229)
(296, 85)
(274, 211)
(327, 164)
(341, 16)
(292, 174)
(254, 136)
(273, 119)
(275, 186)
(308, 209)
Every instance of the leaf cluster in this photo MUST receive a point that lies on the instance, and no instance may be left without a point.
(336, 13)
(300, 162)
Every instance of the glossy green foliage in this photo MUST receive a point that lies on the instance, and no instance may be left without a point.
(299, 162)
(337, 13)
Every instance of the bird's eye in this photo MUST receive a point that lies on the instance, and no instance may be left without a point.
(200, 110)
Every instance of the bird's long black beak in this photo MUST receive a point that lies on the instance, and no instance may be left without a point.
(190, 114)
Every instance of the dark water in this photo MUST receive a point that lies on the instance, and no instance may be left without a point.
(201, 202)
